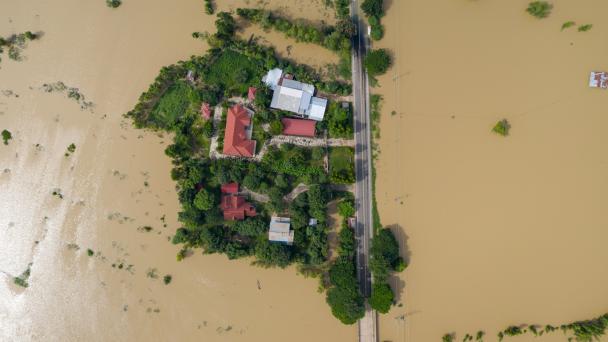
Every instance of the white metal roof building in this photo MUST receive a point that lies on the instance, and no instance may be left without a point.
(280, 230)
(294, 96)
(598, 79)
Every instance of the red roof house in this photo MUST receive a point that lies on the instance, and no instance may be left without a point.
(233, 205)
(206, 111)
(251, 93)
(304, 128)
(230, 188)
(236, 139)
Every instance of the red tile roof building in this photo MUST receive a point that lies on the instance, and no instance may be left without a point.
(236, 141)
(233, 205)
(206, 111)
(251, 93)
(300, 127)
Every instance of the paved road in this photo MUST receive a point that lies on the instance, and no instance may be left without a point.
(363, 159)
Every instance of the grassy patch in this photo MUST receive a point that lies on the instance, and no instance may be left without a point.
(178, 99)
(342, 165)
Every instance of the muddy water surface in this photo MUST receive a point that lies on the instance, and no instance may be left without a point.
(498, 231)
(117, 197)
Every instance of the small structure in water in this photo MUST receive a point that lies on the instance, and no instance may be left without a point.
(598, 79)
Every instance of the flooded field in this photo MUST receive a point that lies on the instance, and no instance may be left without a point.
(499, 231)
(113, 194)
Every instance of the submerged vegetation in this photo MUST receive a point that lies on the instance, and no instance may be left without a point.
(16, 43)
(580, 331)
(502, 127)
(6, 136)
(539, 9)
(23, 278)
(113, 3)
(335, 38)
(209, 7)
(568, 24)
(585, 28)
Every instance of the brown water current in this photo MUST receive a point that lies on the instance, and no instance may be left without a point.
(115, 184)
(498, 231)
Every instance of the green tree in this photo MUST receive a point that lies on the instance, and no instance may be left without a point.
(373, 8)
(204, 200)
(113, 3)
(346, 208)
(6, 136)
(377, 62)
(382, 297)
(539, 9)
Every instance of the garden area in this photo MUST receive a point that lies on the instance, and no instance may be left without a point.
(342, 165)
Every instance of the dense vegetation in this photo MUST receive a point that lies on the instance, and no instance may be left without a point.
(377, 62)
(539, 9)
(384, 259)
(343, 296)
(374, 11)
(338, 120)
(6, 136)
(335, 38)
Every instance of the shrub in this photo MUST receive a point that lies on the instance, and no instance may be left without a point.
(113, 3)
(568, 24)
(6, 136)
(539, 9)
(209, 7)
(585, 28)
(502, 127)
(448, 338)
(167, 279)
(90, 252)
(346, 208)
(276, 127)
(377, 62)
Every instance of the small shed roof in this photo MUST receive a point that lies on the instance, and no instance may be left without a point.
(316, 111)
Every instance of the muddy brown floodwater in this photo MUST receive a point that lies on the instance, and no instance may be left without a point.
(498, 231)
(114, 188)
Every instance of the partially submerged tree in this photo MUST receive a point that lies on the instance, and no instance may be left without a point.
(113, 3)
(539, 9)
(502, 127)
(6, 136)
(377, 62)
